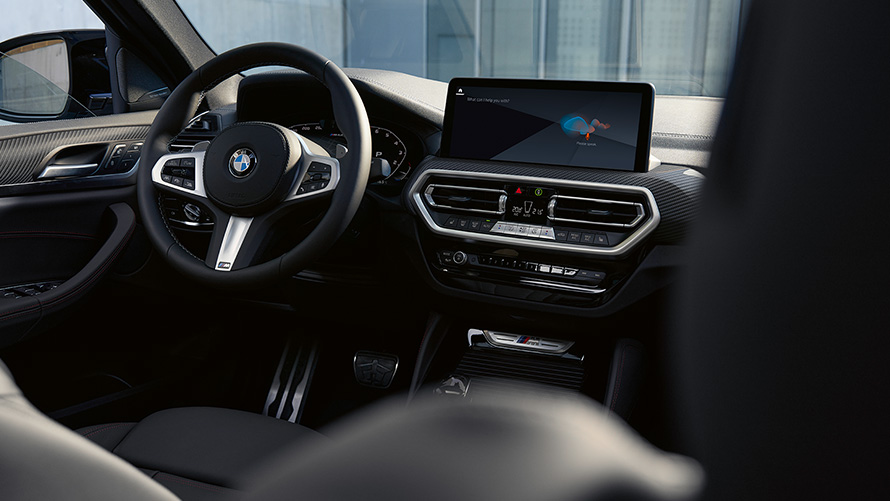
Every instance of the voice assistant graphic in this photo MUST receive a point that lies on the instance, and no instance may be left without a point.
(574, 126)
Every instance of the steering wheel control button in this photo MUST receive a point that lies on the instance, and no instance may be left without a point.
(319, 176)
(242, 162)
(319, 167)
(179, 172)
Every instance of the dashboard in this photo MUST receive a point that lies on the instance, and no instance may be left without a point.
(522, 236)
(386, 145)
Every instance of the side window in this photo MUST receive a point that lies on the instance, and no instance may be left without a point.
(52, 62)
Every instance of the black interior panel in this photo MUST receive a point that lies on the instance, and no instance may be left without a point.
(48, 237)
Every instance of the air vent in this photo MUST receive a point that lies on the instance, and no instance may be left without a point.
(596, 211)
(202, 128)
(578, 217)
(466, 198)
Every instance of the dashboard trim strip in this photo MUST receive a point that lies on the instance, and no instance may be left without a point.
(561, 286)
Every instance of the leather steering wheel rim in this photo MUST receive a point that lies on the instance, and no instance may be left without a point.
(181, 106)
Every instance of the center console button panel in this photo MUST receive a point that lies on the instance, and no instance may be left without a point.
(481, 262)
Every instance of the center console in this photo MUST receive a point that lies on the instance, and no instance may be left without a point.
(531, 237)
(542, 190)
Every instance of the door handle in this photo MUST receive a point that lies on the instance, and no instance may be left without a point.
(57, 171)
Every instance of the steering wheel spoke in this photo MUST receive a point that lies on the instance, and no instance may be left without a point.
(226, 243)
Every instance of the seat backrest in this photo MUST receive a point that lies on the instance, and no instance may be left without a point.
(40, 459)
(779, 360)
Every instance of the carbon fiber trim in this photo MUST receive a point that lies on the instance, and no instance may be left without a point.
(676, 192)
(24, 155)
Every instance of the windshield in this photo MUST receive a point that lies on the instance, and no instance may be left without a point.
(683, 47)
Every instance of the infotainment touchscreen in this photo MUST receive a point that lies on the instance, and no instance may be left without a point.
(604, 125)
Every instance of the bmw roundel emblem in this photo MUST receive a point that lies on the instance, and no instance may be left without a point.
(242, 162)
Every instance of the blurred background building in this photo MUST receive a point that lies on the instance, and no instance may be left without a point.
(683, 47)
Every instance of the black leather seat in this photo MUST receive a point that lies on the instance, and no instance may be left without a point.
(40, 459)
(517, 448)
(195, 453)
(201, 452)
(779, 361)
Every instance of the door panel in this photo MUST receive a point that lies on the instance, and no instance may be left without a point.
(58, 237)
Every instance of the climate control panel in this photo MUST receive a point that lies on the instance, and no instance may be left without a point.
(532, 269)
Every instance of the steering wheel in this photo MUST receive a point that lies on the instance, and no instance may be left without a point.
(253, 172)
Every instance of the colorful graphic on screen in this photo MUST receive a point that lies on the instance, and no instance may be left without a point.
(574, 126)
